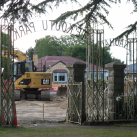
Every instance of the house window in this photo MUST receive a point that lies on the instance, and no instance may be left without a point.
(60, 77)
(55, 76)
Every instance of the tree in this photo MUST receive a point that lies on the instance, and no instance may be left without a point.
(4, 60)
(4, 39)
(53, 46)
(77, 51)
(130, 27)
(107, 55)
(118, 60)
(72, 40)
(5, 66)
(30, 53)
(22, 10)
(68, 46)
(93, 11)
(49, 46)
(96, 11)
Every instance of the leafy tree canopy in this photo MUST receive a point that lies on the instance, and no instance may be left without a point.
(30, 53)
(68, 46)
(22, 10)
(4, 39)
(93, 11)
(50, 46)
(4, 60)
(79, 52)
(5, 66)
(96, 11)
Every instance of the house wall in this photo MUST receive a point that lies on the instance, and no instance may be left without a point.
(100, 75)
(60, 83)
(59, 65)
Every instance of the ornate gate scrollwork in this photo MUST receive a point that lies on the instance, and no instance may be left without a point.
(76, 102)
(7, 115)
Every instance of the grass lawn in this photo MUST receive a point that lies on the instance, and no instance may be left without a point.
(65, 132)
(126, 125)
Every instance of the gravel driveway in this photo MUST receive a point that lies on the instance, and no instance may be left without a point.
(31, 111)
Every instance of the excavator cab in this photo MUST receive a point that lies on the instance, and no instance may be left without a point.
(20, 67)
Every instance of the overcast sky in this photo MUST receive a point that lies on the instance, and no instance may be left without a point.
(119, 17)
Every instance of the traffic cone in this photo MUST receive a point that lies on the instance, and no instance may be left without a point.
(15, 115)
(3, 120)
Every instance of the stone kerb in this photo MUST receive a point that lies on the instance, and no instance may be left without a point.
(115, 85)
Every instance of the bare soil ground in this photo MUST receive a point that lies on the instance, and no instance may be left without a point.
(31, 111)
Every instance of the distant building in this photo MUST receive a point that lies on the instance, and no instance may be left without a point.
(57, 65)
(130, 70)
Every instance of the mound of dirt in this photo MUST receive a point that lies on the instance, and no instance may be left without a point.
(62, 91)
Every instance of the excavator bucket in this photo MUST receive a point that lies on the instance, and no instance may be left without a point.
(62, 90)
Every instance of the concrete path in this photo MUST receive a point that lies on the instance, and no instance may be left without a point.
(66, 125)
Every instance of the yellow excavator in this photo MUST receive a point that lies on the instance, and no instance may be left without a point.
(16, 54)
(29, 84)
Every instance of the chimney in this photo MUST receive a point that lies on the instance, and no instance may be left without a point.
(35, 59)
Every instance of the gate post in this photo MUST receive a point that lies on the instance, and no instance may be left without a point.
(115, 86)
(0, 75)
(76, 74)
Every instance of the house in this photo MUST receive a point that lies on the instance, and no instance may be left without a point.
(131, 71)
(57, 65)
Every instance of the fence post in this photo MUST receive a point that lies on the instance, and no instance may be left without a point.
(0, 76)
(115, 86)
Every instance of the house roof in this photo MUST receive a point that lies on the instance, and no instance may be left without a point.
(60, 70)
(52, 60)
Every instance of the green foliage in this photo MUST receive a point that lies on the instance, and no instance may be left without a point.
(72, 40)
(4, 63)
(126, 125)
(50, 46)
(68, 46)
(4, 39)
(118, 60)
(30, 53)
(130, 29)
(74, 130)
(91, 12)
(77, 51)
(23, 10)
(63, 46)
(5, 66)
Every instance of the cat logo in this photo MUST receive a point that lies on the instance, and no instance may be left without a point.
(45, 81)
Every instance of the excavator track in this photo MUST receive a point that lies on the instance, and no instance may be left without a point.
(17, 95)
(45, 95)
